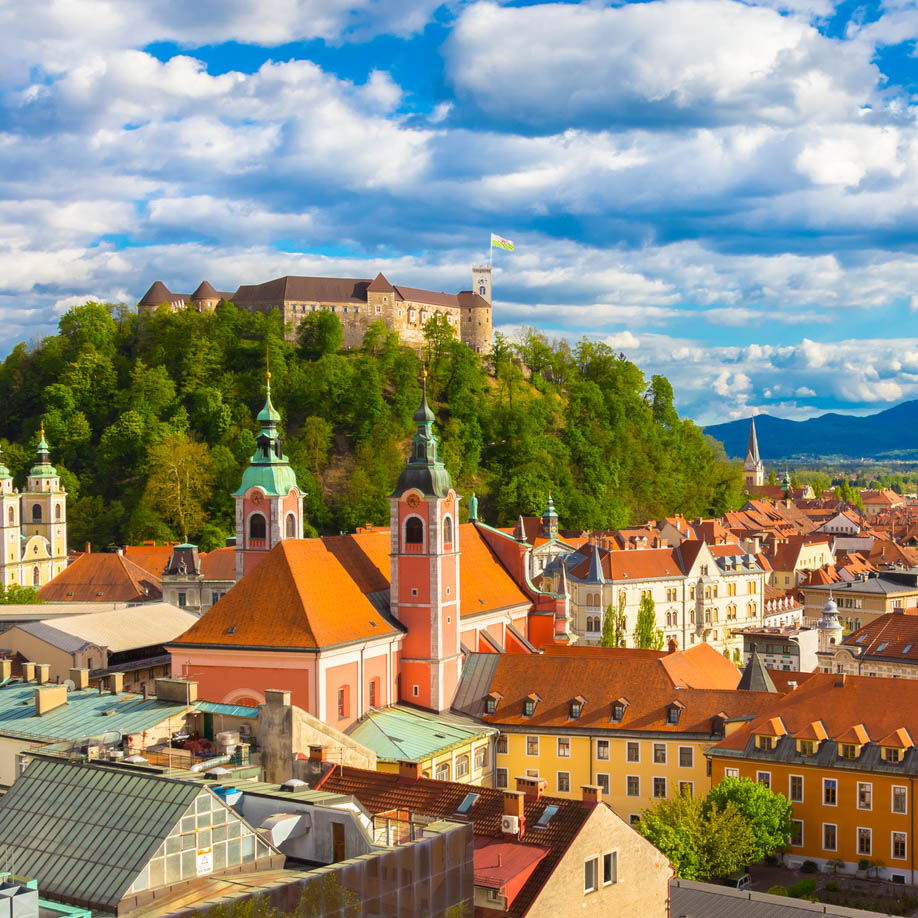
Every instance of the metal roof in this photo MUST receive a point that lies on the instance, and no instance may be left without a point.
(62, 640)
(86, 832)
(232, 710)
(83, 716)
(403, 733)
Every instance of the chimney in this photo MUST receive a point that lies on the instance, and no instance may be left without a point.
(116, 683)
(42, 673)
(88, 548)
(514, 803)
(49, 697)
(672, 646)
(279, 697)
(408, 769)
(591, 794)
(28, 672)
(316, 752)
(840, 681)
(6, 669)
(531, 788)
(177, 690)
(791, 686)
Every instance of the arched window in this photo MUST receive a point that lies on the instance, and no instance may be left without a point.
(57, 512)
(36, 513)
(448, 531)
(482, 290)
(257, 527)
(291, 526)
(36, 576)
(12, 516)
(414, 531)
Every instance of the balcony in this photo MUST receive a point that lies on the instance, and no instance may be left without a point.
(258, 543)
(414, 548)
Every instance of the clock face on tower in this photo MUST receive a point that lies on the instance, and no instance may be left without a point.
(413, 501)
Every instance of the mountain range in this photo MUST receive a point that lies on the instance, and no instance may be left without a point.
(889, 434)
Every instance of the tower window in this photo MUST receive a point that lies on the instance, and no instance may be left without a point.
(36, 577)
(291, 526)
(36, 513)
(257, 527)
(57, 512)
(414, 531)
(448, 531)
(12, 515)
(482, 290)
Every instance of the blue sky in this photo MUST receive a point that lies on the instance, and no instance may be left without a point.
(727, 192)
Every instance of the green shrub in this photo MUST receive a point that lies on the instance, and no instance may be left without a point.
(777, 890)
(809, 867)
(801, 888)
(863, 864)
(832, 886)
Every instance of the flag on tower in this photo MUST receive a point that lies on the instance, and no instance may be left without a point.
(498, 242)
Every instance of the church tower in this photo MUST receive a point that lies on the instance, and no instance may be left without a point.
(43, 509)
(424, 572)
(9, 528)
(481, 281)
(269, 504)
(753, 468)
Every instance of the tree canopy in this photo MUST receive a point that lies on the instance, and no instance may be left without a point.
(120, 392)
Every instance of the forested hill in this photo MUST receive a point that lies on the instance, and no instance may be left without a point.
(151, 421)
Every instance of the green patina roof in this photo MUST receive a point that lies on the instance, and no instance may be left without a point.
(232, 710)
(404, 733)
(43, 468)
(82, 716)
(424, 471)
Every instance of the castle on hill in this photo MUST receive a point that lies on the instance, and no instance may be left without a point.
(357, 303)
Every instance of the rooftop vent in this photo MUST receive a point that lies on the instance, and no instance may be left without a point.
(293, 784)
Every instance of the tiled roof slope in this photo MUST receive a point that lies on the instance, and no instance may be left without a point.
(219, 564)
(840, 702)
(378, 792)
(300, 596)
(98, 577)
(644, 682)
(308, 289)
(892, 637)
(152, 558)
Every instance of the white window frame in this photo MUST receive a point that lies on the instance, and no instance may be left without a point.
(892, 845)
(614, 856)
(892, 799)
(767, 781)
(636, 778)
(653, 787)
(835, 826)
(603, 743)
(560, 754)
(691, 752)
(595, 887)
(824, 782)
(535, 754)
(802, 825)
(558, 782)
(503, 744)
(790, 779)
(607, 789)
(662, 761)
(857, 840)
(731, 772)
(636, 745)
(869, 786)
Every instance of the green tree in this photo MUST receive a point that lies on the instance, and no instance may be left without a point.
(17, 595)
(613, 625)
(646, 634)
(438, 333)
(767, 813)
(180, 483)
(319, 334)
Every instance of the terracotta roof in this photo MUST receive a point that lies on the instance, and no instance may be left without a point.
(498, 862)
(97, 577)
(601, 679)
(380, 285)
(876, 704)
(892, 637)
(308, 289)
(379, 792)
(701, 666)
(886, 497)
(642, 564)
(152, 558)
(299, 596)
(219, 564)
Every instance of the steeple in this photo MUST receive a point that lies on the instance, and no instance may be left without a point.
(424, 470)
(43, 467)
(753, 467)
(786, 482)
(549, 520)
(4, 471)
(595, 574)
(755, 677)
(752, 449)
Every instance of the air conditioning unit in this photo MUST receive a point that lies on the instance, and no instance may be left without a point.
(510, 824)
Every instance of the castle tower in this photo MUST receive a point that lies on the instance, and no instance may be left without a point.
(269, 504)
(481, 281)
(475, 321)
(424, 588)
(753, 468)
(9, 528)
(43, 510)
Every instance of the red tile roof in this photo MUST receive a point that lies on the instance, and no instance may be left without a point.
(152, 558)
(892, 637)
(98, 577)
(219, 564)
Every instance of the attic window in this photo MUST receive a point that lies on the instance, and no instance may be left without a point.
(618, 709)
(231, 629)
(891, 754)
(907, 648)
(529, 704)
(490, 705)
(469, 801)
(860, 639)
(576, 709)
(547, 816)
(882, 647)
(674, 712)
(848, 751)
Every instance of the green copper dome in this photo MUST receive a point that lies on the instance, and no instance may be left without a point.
(43, 467)
(4, 471)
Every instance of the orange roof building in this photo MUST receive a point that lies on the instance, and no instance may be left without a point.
(109, 578)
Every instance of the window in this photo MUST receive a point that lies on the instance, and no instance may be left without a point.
(864, 841)
(415, 690)
(686, 757)
(57, 512)
(447, 531)
(528, 707)
(257, 527)
(373, 696)
(633, 752)
(829, 836)
(342, 703)
(633, 786)
(575, 708)
(501, 777)
(659, 787)
(291, 526)
(899, 799)
(686, 788)
(443, 771)
(796, 838)
(795, 789)
(36, 513)
(848, 751)
(503, 744)
(659, 753)
(564, 782)
(481, 758)
(602, 781)
(899, 846)
(490, 705)
(763, 777)
(618, 711)
(890, 754)
(462, 766)
(805, 746)
(414, 531)
(590, 875)
(765, 743)
(182, 600)
(564, 747)
(532, 745)
(672, 714)
(602, 749)
(731, 772)
(610, 868)
(864, 796)
(829, 791)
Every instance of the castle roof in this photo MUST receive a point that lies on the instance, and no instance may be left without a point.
(158, 293)
(205, 292)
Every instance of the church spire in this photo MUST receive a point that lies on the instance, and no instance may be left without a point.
(752, 449)
(753, 467)
(42, 467)
(4, 471)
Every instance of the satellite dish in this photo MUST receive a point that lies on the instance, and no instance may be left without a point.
(69, 684)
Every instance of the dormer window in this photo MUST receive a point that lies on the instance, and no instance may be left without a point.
(764, 742)
(848, 750)
(806, 746)
(491, 702)
(674, 712)
(892, 755)
(618, 710)
(529, 704)
(576, 707)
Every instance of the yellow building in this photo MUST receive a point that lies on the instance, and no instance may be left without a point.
(446, 747)
(840, 748)
(636, 723)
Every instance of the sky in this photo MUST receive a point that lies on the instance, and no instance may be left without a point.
(726, 192)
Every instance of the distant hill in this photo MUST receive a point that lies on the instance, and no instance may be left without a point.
(889, 434)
